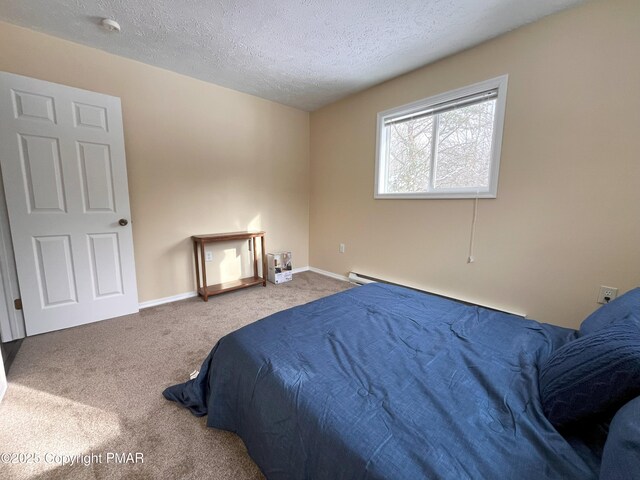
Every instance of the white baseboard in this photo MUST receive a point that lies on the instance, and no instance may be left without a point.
(184, 296)
(162, 301)
(329, 274)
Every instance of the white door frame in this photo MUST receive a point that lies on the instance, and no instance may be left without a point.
(3, 380)
(11, 320)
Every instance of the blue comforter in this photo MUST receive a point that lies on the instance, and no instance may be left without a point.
(381, 382)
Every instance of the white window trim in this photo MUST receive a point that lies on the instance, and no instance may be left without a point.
(491, 192)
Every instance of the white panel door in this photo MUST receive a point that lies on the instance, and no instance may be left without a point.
(65, 179)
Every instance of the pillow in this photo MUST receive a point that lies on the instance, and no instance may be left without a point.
(592, 375)
(612, 312)
(621, 455)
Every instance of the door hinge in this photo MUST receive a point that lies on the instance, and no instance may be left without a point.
(18, 303)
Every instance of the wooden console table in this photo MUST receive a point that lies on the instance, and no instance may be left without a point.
(204, 290)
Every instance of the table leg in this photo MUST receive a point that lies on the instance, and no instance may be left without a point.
(255, 258)
(195, 257)
(264, 263)
(205, 292)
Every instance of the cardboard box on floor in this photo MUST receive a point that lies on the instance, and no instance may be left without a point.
(279, 267)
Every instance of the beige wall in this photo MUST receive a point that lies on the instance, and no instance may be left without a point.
(567, 216)
(200, 158)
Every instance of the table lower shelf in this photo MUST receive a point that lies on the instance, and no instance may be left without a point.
(232, 285)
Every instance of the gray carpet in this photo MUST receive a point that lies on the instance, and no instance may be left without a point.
(97, 389)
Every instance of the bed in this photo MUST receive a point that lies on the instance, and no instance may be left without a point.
(384, 382)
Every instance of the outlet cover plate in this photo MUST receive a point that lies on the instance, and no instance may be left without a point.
(208, 256)
(607, 292)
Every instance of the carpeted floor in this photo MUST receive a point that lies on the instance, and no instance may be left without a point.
(96, 389)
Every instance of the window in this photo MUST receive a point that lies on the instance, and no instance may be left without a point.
(447, 146)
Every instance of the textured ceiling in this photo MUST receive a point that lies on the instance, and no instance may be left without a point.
(303, 53)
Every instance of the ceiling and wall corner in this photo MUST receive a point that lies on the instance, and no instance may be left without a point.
(304, 54)
(566, 218)
(192, 144)
(200, 159)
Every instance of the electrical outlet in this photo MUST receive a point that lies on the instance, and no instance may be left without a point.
(208, 256)
(341, 248)
(607, 294)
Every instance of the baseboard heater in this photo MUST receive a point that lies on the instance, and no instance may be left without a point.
(363, 279)
(360, 279)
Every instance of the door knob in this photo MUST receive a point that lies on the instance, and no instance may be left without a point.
(124, 222)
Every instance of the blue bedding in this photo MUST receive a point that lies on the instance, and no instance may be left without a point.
(384, 382)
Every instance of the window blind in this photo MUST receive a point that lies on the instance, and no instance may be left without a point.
(445, 106)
